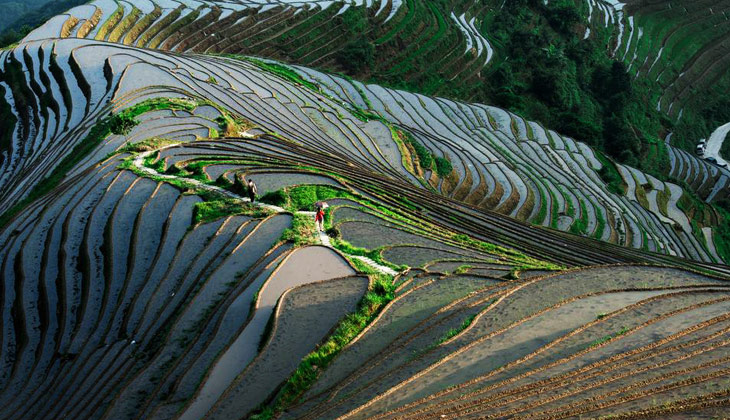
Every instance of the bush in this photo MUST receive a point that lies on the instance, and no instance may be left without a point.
(443, 167)
(275, 198)
(122, 124)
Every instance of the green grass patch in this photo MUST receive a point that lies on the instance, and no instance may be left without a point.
(303, 231)
(381, 291)
(375, 254)
(303, 197)
(209, 211)
(462, 269)
(600, 223)
(443, 167)
(453, 332)
(283, 71)
(580, 226)
(608, 337)
(610, 175)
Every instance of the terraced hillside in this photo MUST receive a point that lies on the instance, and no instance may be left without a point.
(478, 155)
(474, 51)
(473, 263)
(680, 46)
(308, 32)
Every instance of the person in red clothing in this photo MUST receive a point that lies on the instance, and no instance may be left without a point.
(319, 219)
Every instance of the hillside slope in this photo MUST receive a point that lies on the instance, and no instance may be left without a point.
(474, 262)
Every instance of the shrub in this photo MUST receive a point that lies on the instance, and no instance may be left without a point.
(443, 167)
(333, 232)
(122, 124)
(275, 198)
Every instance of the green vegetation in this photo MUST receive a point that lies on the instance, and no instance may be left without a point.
(580, 226)
(144, 146)
(375, 254)
(303, 231)
(462, 269)
(610, 175)
(453, 332)
(119, 124)
(233, 126)
(209, 211)
(282, 71)
(381, 291)
(608, 337)
(443, 167)
(524, 262)
(302, 198)
(425, 158)
(122, 124)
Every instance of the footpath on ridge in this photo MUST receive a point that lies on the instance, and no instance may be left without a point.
(138, 163)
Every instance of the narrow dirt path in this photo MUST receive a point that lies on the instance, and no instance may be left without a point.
(323, 238)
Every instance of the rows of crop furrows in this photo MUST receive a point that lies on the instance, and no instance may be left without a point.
(709, 181)
(684, 47)
(501, 162)
(54, 105)
(286, 166)
(482, 156)
(608, 340)
(141, 285)
(122, 299)
(308, 32)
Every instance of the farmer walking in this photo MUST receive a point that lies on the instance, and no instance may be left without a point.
(319, 219)
(252, 190)
(319, 214)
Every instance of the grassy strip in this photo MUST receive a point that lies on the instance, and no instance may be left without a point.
(144, 146)
(523, 261)
(209, 211)
(283, 72)
(173, 27)
(610, 175)
(600, 223)
(110, 23)
(462, 269)
(303, 231)
(159, 26)
(453, 332)
(118, 124)
(542, 213)
(142, 25)
(375, 254)
(580, 226)
(380, 292)
(125, 25)
(303, 197)
(608, 337)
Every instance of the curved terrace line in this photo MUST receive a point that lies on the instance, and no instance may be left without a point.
(138, 163)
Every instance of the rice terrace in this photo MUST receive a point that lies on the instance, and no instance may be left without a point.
(365, 209)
